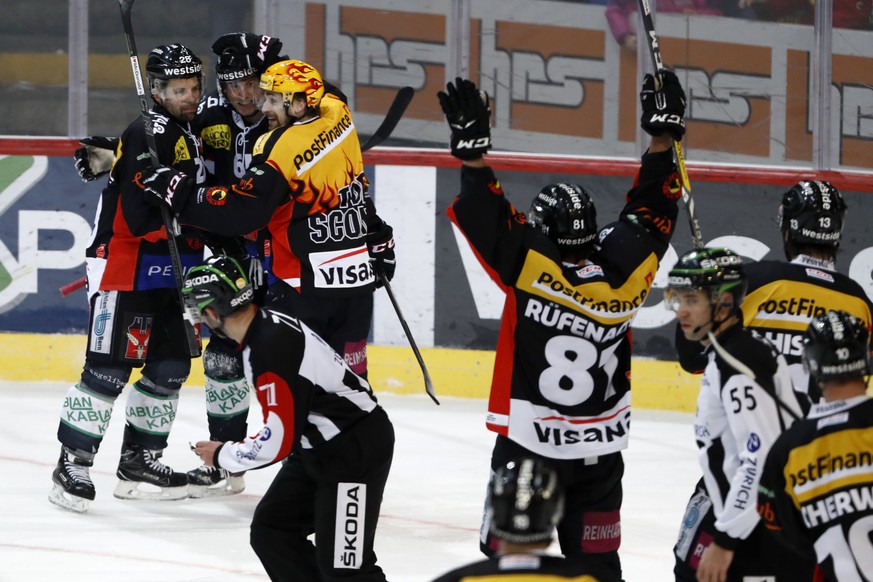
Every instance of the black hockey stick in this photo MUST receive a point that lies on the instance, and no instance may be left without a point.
(658, 65)
(395, 112)
(428, 385)
(187, 314)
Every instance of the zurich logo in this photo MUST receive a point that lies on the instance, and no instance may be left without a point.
(754, 443)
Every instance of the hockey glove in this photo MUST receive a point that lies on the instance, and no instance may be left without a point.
(96, 157)
(253, 50)
(167, 186)
(380, 242)
(664, 106)
(469, 115)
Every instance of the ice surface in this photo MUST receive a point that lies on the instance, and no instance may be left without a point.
(430, 516)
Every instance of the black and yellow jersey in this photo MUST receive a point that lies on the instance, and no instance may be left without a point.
(527, 568)
(781, 300)
(307, 185)
(816, 490)
(561, 383)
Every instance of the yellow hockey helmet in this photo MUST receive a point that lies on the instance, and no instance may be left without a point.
(290, 77)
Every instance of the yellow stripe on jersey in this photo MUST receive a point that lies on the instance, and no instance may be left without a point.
(832, 461)
(596, 300)
(790, 305)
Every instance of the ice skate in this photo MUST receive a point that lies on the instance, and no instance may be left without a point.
(73, 488)
(142, 476)
(206, 481)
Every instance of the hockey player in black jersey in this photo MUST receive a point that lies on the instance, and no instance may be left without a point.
(526, 502)
(746, 400)
(136, 319)
(561, 382)
(816, 490)
(782, 296)
(314, 405)
(230, 122)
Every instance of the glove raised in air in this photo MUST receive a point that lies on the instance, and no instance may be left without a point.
(664, 106)
(468, 113)
(166, 186)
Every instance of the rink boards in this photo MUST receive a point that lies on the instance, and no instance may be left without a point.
(658, 385)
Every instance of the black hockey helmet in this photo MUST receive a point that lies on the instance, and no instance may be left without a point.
(812, 214)
(243, 54)
(526, 501)
(836, 347)
(219, 282)
(715, 270)
(172, 61)
(565, 213)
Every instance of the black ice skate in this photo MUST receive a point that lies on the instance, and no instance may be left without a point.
(143, 476)
(206, 481)
(73, 487)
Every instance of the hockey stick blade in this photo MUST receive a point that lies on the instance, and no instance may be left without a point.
(392, 118)
(428, 385)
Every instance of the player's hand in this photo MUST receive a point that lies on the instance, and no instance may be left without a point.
(380, 242)
(206, 451)
(714, 563)
(262, 51)
(663, 106)
(167, 186)
(469, 115)
(96, 156)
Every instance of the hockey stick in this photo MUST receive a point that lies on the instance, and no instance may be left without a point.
(658, 65)
(190, 328)
(392, 118)
(395, 112)
(428, 385)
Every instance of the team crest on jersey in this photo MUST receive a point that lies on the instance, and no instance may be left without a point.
(589, 271)
(138, 335)
(819, 274)
(672, 186)
(180, 151)
(216, 196)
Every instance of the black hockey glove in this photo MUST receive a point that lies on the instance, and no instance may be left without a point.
(167, 186)
(260, 51)
(96, 157)
(380, 242)
(663, 108)
(469, 115)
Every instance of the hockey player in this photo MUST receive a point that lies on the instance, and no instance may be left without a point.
(313, 404)
(307, 186)
(746, 400)
(817, 483)
(783, 297)
(230, 122)
(136, 319)
(526, 502)
(561, 385)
